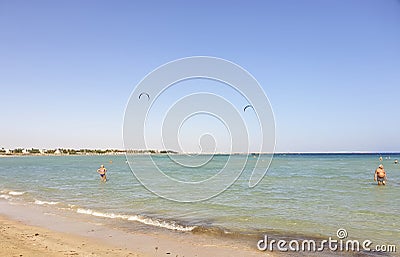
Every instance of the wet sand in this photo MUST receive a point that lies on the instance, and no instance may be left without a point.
(38, 231)
(28, 231)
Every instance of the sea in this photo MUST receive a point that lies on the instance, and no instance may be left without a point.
(301, 195)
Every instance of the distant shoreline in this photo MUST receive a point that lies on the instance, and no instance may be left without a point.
(62, 151)
(157, 152)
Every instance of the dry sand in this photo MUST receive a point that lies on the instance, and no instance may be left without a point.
(18, 239)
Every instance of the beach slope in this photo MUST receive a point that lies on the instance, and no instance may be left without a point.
(18, 239)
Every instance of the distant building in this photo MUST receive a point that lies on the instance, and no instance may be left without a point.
(7, 151)
(57, 151)
(25, 151)
(42, 151)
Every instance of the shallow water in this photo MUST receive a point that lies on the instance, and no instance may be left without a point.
(301, 195)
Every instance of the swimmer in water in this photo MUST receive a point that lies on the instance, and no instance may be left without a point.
(380, 175)
(102, 171)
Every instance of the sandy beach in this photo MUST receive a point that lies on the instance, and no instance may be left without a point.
(18, 239)
(31, 231)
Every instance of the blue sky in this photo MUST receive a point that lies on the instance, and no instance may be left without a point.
(330, 68)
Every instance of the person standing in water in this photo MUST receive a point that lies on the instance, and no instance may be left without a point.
(102, 171)
(380, 175)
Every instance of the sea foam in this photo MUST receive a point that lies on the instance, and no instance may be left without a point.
(15, 193)
(5, 196)
(144, 220)
(161, 223)
(45, 202)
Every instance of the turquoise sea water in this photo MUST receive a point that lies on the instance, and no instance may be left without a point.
(301, 195)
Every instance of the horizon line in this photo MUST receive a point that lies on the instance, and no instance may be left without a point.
(208, 153)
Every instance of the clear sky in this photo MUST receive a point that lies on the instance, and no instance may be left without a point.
(331, 68)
